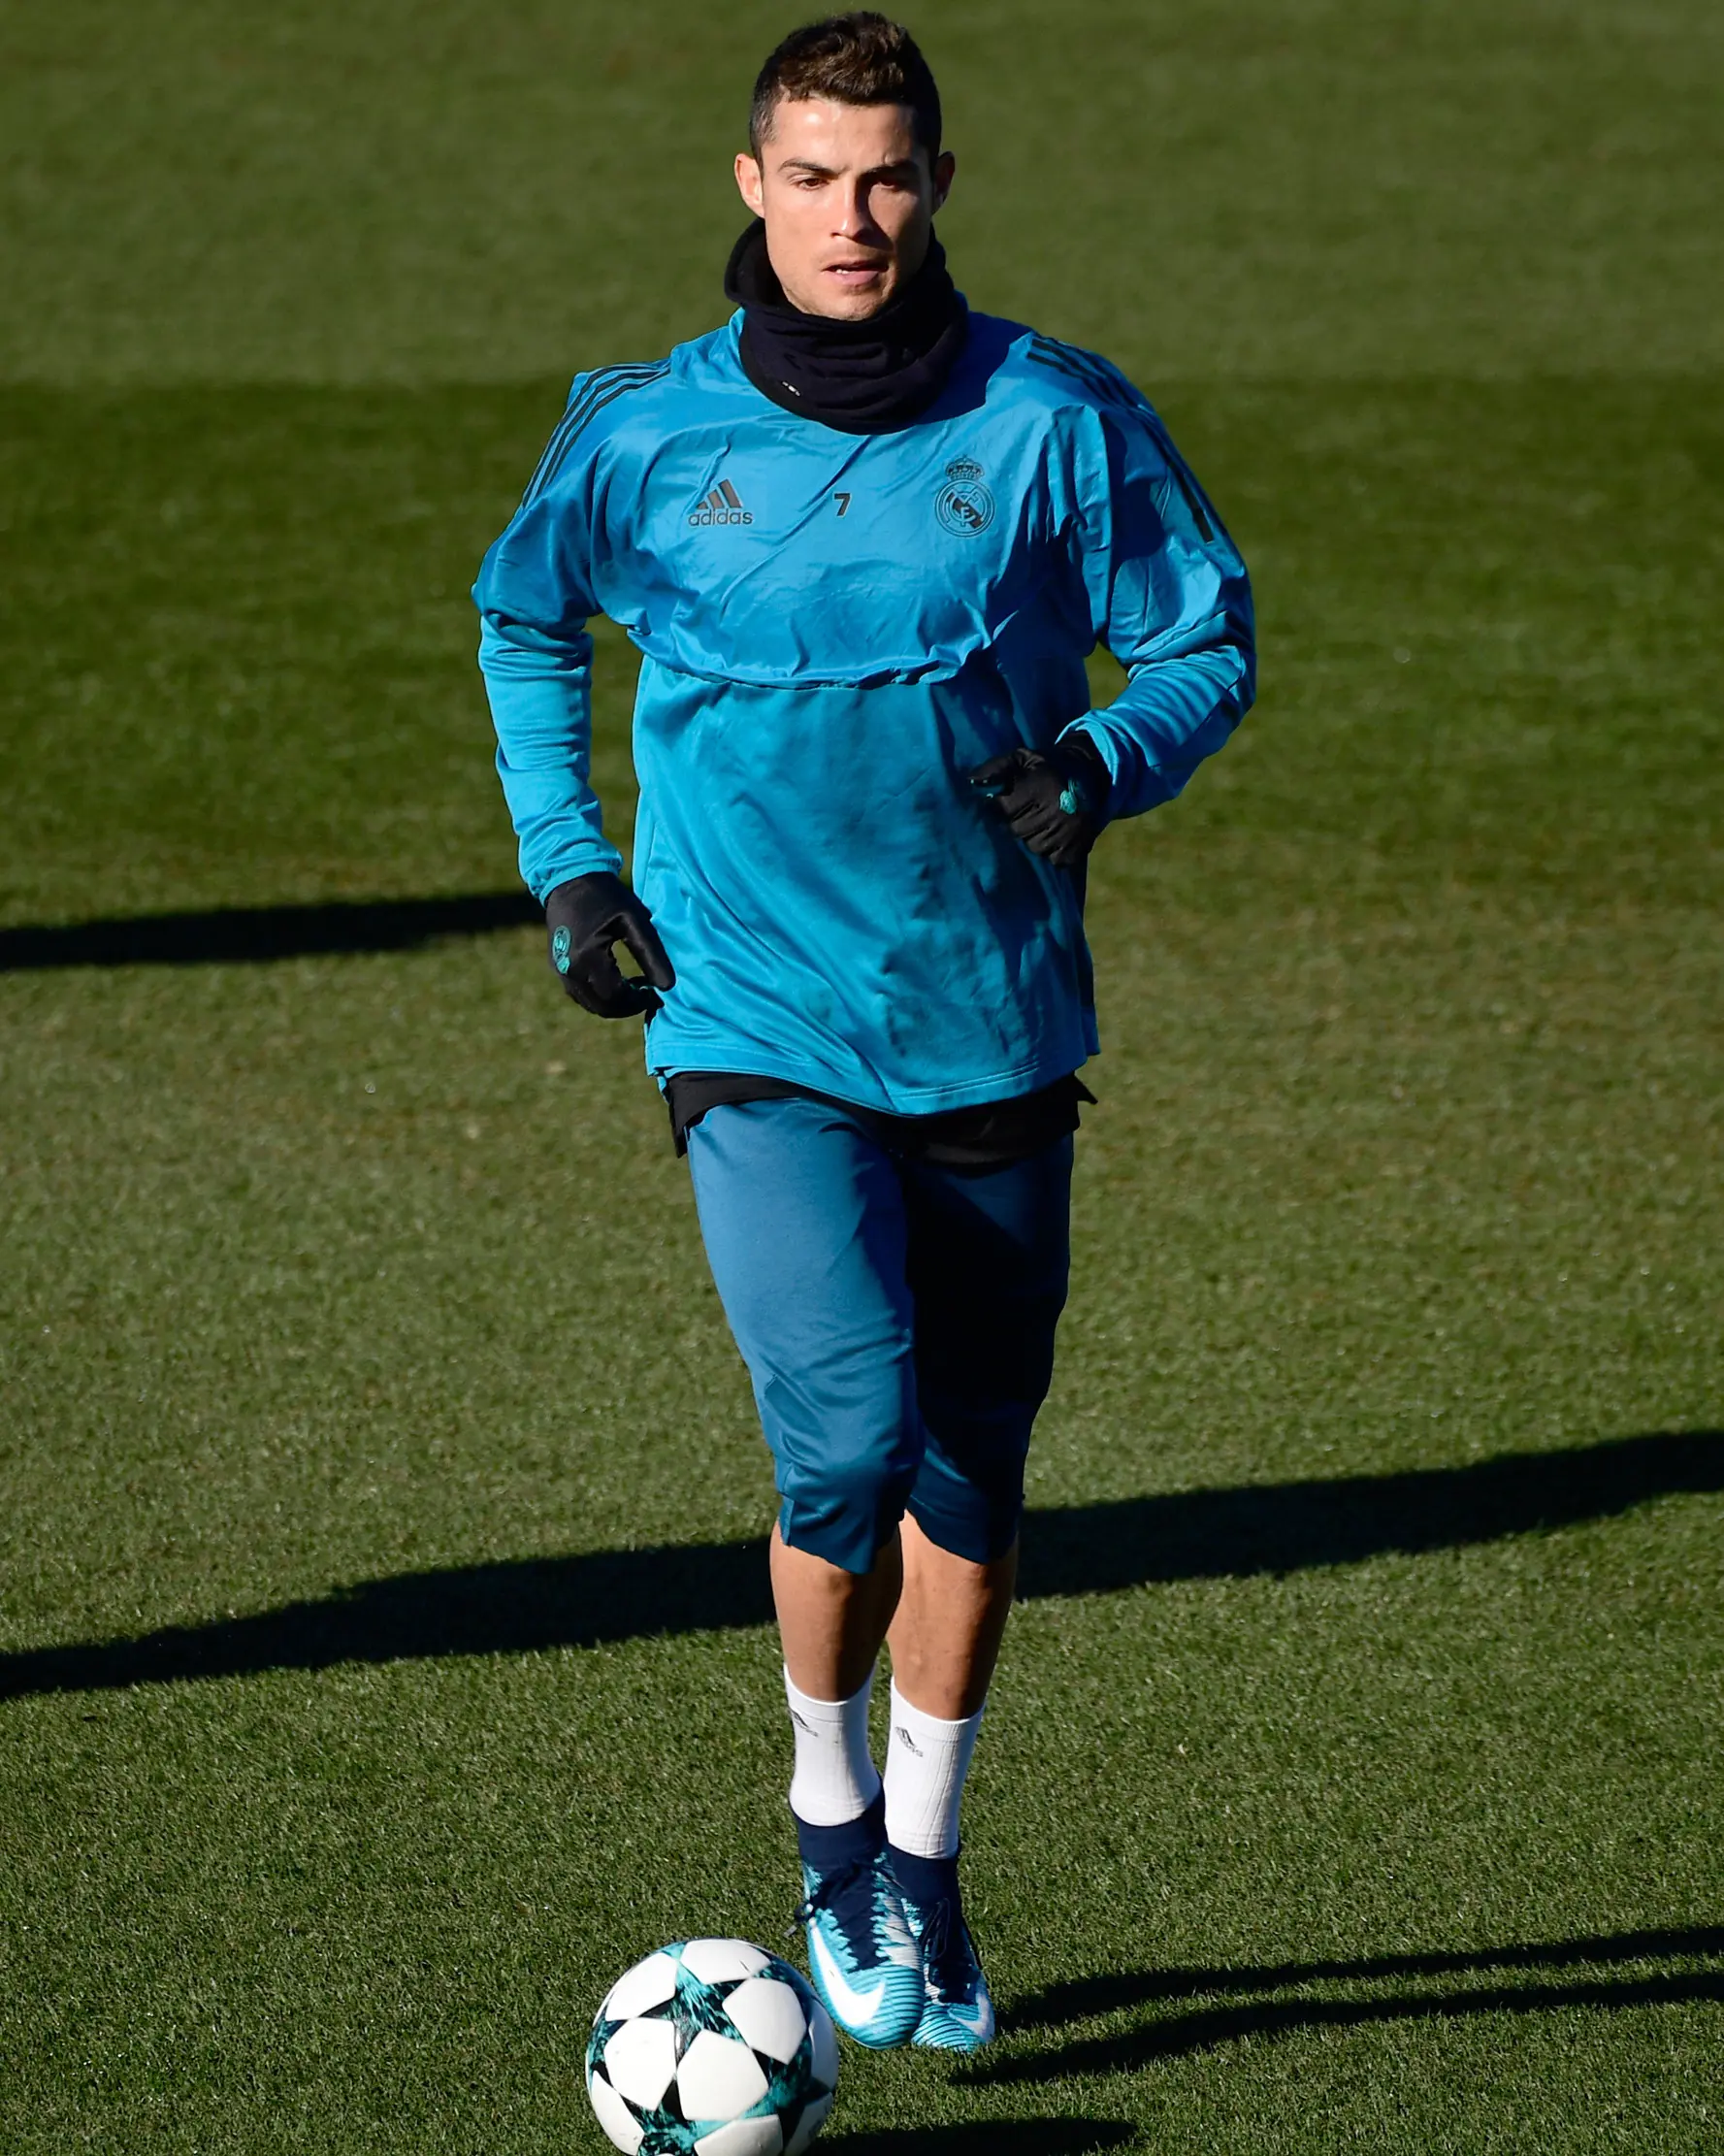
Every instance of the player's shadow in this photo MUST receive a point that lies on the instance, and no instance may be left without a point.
(604, 1596)
(1022, 2137)
(1279, 1528)
(249, 935)
(1227, 2012)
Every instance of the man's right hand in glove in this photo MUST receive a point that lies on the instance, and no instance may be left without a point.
(585, 917)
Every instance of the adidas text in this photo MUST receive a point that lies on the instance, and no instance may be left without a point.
(723, 506)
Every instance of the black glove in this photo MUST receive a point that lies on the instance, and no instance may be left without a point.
(585, 917)
(1054, 800)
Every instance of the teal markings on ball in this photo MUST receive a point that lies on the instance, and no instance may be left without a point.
(560, 942)
(712, 2043)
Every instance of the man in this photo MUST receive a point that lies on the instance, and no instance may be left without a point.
(864, 539)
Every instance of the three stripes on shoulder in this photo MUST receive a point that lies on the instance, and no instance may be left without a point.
(600, 388)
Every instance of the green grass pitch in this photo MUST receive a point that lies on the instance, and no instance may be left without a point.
(382, 1655)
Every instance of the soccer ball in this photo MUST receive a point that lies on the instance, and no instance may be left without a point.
(712, 2048)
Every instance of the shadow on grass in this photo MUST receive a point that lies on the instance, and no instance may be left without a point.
(245, 935)
(608, 1595)
(1088, 1996)
(1025, 2136)
(1177, 2035)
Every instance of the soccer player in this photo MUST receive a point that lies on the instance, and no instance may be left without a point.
(864, 539)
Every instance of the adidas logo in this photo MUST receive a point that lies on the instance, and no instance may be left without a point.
(723, 506)
(906, 1738)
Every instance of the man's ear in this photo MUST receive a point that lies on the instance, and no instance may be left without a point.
(945, 165)
(749, 183)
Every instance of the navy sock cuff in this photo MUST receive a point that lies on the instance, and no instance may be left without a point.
(827, 1848)
(924, 1880)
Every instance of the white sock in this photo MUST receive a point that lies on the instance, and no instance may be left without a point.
(835, 1779)
(926, 1763)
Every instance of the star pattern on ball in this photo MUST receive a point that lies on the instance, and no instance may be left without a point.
(705, 2041)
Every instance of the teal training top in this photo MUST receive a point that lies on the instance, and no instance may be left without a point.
(835, 630)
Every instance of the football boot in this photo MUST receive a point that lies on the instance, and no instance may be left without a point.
(957, 2007)
(861, 1956)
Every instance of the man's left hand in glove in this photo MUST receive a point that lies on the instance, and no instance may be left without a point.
(1054, 800)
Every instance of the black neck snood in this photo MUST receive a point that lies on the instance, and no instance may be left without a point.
(861, 378)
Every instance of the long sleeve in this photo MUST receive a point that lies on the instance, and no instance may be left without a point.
(1169, 597)
(535, 599)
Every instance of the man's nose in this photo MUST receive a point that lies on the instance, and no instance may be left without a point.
(856, 216)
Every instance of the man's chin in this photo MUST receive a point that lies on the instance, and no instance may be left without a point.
(841, 303)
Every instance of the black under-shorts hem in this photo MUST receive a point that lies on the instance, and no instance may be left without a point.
(972, 1140)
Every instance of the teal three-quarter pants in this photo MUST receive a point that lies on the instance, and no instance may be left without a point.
(896, 1319)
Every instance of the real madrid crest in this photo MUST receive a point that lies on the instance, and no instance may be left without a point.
(963, 504)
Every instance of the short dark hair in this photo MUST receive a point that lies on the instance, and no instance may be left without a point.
(859, 58)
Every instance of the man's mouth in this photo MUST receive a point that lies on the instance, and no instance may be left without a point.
(856, 273)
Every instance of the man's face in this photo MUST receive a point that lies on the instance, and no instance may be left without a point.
(848, 199)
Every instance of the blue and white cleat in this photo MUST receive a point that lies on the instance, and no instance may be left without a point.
(957, 2007)
(862, 1955)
